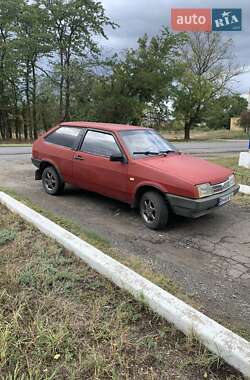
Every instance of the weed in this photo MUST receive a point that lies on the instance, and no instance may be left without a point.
(6, 236)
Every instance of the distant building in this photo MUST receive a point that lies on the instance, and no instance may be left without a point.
(235, 124)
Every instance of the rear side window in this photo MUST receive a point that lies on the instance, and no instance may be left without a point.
(100, 144)
(64, 136)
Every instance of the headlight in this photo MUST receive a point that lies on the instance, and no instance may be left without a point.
(204, 190)
(232, 180)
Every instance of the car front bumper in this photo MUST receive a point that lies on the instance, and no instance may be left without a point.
(194, 208)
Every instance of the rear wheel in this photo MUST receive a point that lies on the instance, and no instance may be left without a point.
(154, 210)
(51, 181)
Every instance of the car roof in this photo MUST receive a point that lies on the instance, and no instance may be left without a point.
(104, 126)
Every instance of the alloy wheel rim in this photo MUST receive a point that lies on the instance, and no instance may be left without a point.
(148, 211)
(50, 181)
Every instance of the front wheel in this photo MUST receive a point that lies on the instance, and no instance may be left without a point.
(154, 210)
(51, 181)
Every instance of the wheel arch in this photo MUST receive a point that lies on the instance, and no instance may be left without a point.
(46, 163)
(144, 188)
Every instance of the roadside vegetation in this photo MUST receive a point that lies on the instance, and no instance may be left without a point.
(15, 143)
(59, 320)
(175, 135)
(52, 69)
(204, 134)
(242, 175)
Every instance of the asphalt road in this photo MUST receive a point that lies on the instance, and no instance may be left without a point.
(14, 153)
(213, 147)
(197, 147)
(209, 257)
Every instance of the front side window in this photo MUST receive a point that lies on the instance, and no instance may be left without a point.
(64, 136)
(142, 143)
(100, 144)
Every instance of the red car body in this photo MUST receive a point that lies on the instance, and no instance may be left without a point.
(174, 175)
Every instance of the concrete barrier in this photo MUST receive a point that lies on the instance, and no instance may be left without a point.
(221, 341)
(245, 189)
(244, 160)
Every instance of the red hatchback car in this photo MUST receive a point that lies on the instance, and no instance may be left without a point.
(134, 165)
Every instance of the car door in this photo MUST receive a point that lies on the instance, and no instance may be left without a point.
(93, 169)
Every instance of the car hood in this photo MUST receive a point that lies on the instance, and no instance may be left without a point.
(190, 169)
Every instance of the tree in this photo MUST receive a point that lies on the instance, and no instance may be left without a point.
(9, 70)
(33, 42)
(141, 81)
(47, 103)
(33, 35)
(207, 72)
(245, 120)
(223, 109)
(75, 25)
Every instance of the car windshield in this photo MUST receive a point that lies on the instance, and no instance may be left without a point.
(143, 143)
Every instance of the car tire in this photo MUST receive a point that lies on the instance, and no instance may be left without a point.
(154, 210)
(51, 181)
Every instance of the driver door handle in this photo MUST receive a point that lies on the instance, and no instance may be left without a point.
(79, 158)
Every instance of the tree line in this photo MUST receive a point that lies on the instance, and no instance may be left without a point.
(52, 68)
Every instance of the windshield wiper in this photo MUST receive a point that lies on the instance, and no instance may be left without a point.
(166, 151)
(147, 153)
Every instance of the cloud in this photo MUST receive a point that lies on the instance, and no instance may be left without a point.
(137, 17)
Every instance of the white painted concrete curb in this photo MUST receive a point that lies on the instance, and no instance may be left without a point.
(244, 160)
(245, 189)
(224, 343)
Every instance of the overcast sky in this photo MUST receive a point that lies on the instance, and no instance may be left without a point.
(137, 17)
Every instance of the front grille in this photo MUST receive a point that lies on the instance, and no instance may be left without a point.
(219, 187)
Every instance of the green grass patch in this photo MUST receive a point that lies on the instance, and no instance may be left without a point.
(242, 175)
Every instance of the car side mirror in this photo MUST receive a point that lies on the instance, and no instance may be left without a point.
(116, 158)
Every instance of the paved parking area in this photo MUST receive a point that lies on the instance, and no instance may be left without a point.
(208, 257)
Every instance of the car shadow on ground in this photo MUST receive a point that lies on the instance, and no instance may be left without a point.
(97, 199)
(176, 222)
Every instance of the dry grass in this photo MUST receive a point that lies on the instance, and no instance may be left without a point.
(61, 320)
(201, 135)
(12, 145)
(15, 142)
